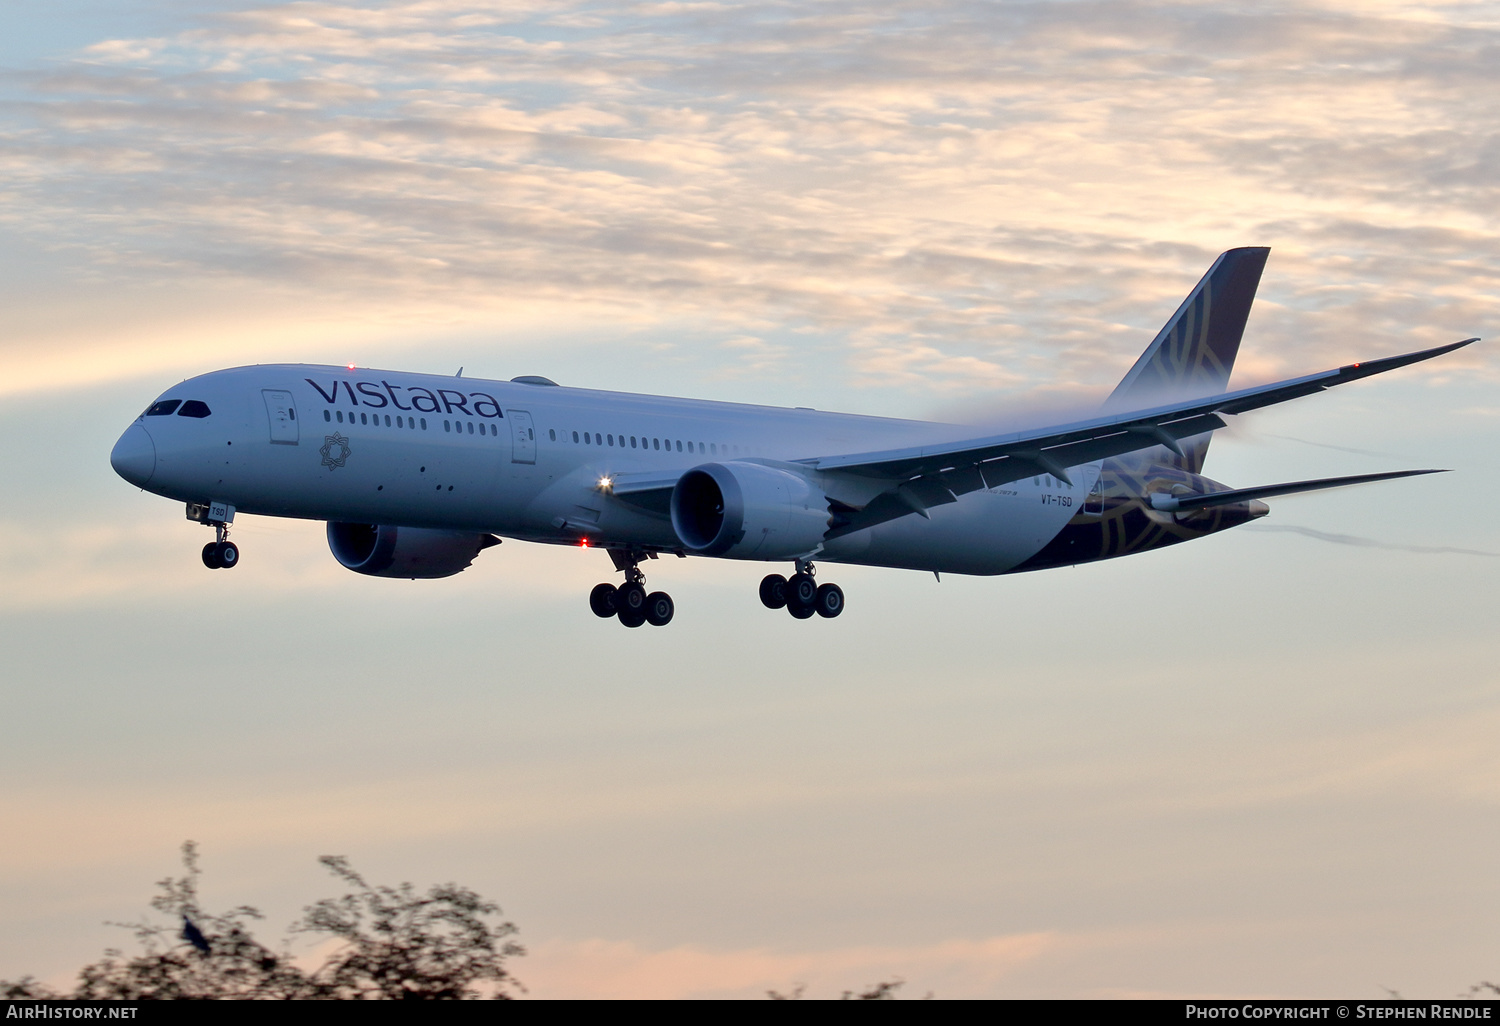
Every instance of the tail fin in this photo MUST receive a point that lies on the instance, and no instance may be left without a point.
(1194, 352)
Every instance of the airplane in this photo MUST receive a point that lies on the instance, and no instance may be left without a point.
(416, 474)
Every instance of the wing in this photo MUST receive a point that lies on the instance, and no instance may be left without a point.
(931, 475)
(1208, 500)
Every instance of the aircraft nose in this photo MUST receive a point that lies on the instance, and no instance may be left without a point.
(134, 455)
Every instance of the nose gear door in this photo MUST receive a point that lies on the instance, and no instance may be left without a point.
(522, 437)
(283, 415)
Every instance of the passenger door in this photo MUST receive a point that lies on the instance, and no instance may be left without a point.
(522, 437)
(283, 415)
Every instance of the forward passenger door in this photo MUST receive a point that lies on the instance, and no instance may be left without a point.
(283, 416)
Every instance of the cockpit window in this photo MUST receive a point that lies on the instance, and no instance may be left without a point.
(163, 408)
(194, 408)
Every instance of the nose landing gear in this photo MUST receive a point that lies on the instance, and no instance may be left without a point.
(802, 596)
(221, 553)
(630, 603)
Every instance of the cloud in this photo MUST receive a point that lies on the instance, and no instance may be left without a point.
(960, 195)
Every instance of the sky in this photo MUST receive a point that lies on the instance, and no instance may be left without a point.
(1259, 765)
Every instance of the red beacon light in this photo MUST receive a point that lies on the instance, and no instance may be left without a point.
(351, 366)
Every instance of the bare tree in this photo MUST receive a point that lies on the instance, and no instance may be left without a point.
(396, 943)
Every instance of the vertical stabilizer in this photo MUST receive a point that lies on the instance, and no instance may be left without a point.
(1194, 352)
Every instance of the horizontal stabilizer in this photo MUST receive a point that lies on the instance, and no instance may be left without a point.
(1172, 503)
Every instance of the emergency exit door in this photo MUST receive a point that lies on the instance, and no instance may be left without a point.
(283, 414)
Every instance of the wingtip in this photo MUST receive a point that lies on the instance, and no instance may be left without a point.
(1451, 346)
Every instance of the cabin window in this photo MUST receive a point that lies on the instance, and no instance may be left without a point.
(495, 431)
(340, 415)
(551, 433)
(612, 439)
(690, 447)
(656, 443)
(713, 448)
(364, 418)
(163, 408)
(398, 421)
(679, 445)
(424, 423)
(575, 437)
(447, 426)
(327, 415)
(194, 408)
(632, 441)
(471, 426)
(387, 420)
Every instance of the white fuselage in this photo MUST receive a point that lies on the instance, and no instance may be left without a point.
(526, 461)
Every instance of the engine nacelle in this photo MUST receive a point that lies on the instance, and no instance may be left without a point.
(748, 511)
(386, 551)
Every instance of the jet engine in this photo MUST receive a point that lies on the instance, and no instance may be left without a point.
(385, 551)
(748, 511)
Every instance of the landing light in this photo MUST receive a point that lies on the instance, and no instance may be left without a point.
(606, 483)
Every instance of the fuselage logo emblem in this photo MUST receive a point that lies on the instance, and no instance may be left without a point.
(335, 451)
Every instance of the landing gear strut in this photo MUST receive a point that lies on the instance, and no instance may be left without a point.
(221, 553)
(802, 595)
(630, 602)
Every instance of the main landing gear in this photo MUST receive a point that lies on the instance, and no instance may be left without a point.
(630, 602)
(802, 596)
(221, 553)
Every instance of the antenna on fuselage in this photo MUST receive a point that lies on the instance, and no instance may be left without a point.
(460, 373)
